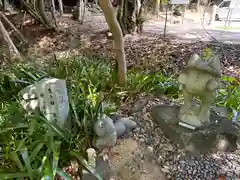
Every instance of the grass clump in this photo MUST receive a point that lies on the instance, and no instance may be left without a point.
(153, 83)
(31, 146)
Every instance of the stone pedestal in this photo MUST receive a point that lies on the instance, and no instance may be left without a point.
(221, 134)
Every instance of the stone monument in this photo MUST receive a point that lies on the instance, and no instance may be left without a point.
(48, 96)
(195, 127)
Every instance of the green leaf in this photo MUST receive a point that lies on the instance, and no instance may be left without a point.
(48, 170)
(34, 78)
(36, 151)
(19, 126)
(75, 112)
(13, 175)
(41, 168)
(14, 157)
(26, 160)
(64, 134)
(85, 164)
(56, 151)
(20, 144)
(32, 126)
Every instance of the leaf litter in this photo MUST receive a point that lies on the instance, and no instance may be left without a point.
(146, 51)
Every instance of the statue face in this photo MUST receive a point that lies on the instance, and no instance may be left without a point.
(104, 126)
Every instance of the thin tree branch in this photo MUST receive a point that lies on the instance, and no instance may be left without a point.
(13, 27)
(13, 51)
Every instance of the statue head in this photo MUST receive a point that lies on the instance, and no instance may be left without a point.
(104, 126)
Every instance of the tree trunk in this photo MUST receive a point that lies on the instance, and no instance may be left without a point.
(161, 5)
(165, 23)
(21, 38)
(84, 11)
(130, 16)
(79, 11)
(115, 28)
(157, 7)
(198, 5)
(53, 7)
(41, 9)
(5, 4)
(60, 7)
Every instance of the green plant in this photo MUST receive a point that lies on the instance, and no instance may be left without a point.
(82, 70)
(229, 96)
(153, 82)
(33, 147)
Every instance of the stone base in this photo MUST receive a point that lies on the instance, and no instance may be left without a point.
(220, 134)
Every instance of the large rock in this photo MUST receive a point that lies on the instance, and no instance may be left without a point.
(221, 134)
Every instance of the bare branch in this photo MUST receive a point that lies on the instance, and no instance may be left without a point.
(13, 27)
(13, 51)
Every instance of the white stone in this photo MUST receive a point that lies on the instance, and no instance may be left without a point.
(91, 157)
(29, 98)
(49, 95)
(53, 99)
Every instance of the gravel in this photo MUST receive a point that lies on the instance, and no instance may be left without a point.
(174, 162)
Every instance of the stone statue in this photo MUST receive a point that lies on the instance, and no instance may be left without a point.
(205, 131)
(106, 133)
(200, 78)
(108, 129)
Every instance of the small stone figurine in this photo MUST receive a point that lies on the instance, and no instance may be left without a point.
(106, 133)
(200, 78)
(91, 155)
(109, 129)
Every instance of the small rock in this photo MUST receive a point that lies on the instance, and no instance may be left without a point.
(168, 148)
(165, 170)
(169, 176)
(150, 149)
(133, 170)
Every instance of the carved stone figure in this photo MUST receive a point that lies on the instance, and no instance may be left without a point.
(92, 157)
(109, 129)
(106, 133)
(200, 78)
(212, 132)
